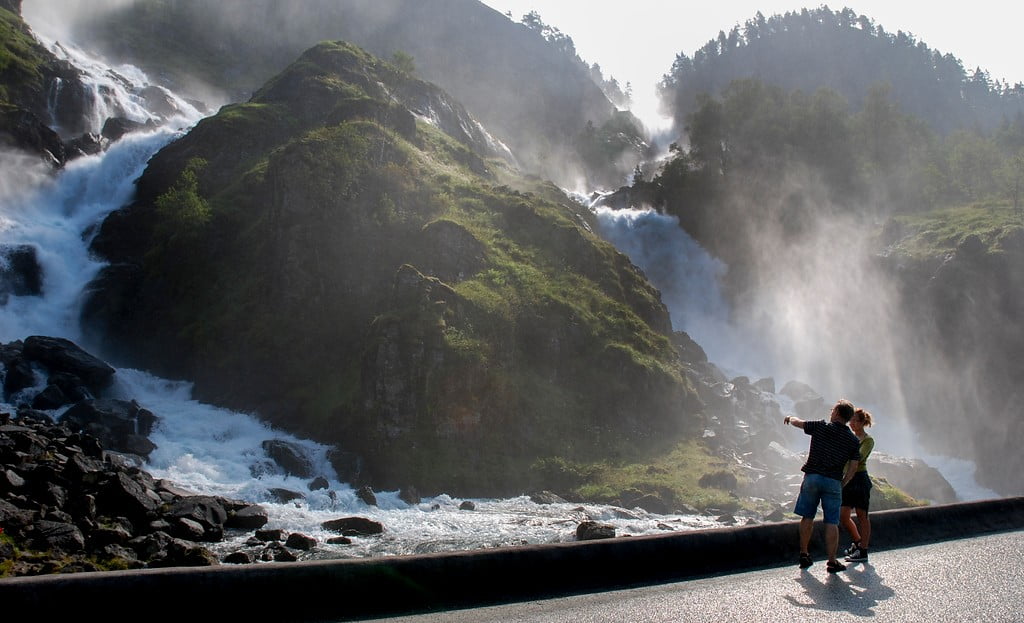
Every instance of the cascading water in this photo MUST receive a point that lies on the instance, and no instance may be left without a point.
(688, 278)
(201, 447)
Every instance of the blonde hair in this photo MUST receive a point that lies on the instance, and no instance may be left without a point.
(864, 415)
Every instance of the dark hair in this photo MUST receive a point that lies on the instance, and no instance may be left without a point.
(864, 415)
(845, 409)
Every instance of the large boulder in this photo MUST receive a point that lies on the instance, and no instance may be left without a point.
(63, 355)
(20, 272)
(120, 425)
(291, 457)
(353, 526)
(914, 476)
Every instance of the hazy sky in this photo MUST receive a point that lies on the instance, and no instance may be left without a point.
(983, 33)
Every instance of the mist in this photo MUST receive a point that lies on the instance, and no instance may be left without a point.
(819, 305)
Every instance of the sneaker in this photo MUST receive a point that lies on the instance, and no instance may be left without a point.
(834, 566)
(805, 561)
(861, 555)
(851, 550)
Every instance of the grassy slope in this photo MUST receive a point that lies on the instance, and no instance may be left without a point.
(280, 228)
(934, 233)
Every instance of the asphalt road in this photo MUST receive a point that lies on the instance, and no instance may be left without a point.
(979, 579)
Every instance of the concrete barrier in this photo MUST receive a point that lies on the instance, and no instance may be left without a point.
(340, 590)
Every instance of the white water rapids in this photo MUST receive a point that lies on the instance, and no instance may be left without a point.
(215, 451)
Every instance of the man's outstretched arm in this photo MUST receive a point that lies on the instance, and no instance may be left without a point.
(794, 420)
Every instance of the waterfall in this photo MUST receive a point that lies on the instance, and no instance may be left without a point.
(204, 448)
(689, 280)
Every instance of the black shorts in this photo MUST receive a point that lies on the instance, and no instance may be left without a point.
(858, 492)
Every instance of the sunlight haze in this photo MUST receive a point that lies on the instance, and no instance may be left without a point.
(603, 29)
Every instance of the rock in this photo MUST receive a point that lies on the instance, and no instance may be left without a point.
(283, 496)
(409, 495)
(270, 534)
(116, 127)
(467, 506)
(319, 483)
(206, 511)
(913, 476)
(51, 397)
(546, 497)
(25, 131)
(353, 526)
(718, 480)
(799, 391)
(237, 558)
(64, 537)
(290, 456)
(297, 540)
(120, 425)
(652, 504)
(61, 355)
(367, 496)
(591, 530)
(249, 517)
(449, 252)
(18, 373)
(347, 465)
(20, 272)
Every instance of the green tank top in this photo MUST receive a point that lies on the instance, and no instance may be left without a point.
(866, 446)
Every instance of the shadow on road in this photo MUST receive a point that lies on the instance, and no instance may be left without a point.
(857, 591)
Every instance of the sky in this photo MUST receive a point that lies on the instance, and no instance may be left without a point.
(984, 33)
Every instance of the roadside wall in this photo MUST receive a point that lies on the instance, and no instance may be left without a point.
(340, 590)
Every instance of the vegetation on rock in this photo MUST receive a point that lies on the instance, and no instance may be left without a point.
(362, 278)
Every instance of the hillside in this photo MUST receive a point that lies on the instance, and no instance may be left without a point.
(911, 238)
(849, 54)
(528, 88)
(327, 257)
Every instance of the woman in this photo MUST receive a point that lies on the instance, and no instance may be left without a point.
(857, 492)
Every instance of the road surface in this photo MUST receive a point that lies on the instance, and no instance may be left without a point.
(979, 579)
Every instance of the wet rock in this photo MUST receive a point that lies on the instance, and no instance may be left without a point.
(366, 494)
(353, 526)
(284, 496)
(120, 425)
(248, 517)
(297, 540)
(20, 272)
(591, 530)
(61, 355)
(290, 456)
(546, 497)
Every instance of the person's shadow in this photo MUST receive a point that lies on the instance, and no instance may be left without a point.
(856, 590)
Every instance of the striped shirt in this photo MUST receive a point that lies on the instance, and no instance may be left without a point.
(832, 445)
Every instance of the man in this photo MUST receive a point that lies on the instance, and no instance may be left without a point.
(831, 462)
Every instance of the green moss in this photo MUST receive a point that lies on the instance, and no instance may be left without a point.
(286, 295)
(934, 233)
(673, 475)
(21, 57)
(884, 496)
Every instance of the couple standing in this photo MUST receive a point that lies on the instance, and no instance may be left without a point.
(835, 475)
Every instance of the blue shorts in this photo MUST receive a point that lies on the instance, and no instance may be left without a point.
(817, 488)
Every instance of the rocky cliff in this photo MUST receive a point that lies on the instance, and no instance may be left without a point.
(327, 255)
(531, 90)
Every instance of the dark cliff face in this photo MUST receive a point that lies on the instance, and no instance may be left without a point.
(28, 93)
(326, 256)
(967, 304)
